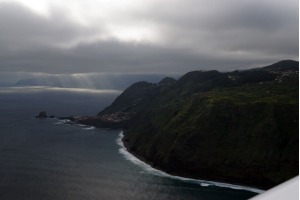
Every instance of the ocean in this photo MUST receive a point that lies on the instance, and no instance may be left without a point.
(53, 159)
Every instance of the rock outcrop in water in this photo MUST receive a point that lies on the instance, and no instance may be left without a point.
(239, 127)
(42, 115)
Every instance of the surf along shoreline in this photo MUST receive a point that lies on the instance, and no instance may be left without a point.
(148, 165)
(142, 161)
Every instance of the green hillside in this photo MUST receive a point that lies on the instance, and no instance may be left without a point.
(239, 127)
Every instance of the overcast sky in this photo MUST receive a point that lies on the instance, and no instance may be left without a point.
(151, 36)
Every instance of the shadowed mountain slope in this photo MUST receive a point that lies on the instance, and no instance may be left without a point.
(239, 127)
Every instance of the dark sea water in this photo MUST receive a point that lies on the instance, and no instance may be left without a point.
(50, 159)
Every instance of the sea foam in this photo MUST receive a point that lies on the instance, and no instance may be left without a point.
(63, 122)
(150, 169)
(69, 122)
(86, 127)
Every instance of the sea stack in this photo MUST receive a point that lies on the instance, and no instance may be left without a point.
(42, 115)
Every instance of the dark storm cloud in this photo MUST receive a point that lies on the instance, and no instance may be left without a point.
(222, 35)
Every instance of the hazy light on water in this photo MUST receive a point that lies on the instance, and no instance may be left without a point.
(111, 81)
(36, 89)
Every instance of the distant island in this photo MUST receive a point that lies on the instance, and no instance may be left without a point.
(238, 127)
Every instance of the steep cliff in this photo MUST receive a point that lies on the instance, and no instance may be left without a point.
(239, 127)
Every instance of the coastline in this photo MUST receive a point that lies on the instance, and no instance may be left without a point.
(141, 161)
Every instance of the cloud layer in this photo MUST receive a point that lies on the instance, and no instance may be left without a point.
(152, 36)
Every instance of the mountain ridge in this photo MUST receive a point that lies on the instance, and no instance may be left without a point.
(238, 127)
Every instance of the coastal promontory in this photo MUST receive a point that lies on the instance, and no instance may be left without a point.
(239, 127)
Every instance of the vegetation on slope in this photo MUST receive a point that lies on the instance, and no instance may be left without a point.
(239, 127)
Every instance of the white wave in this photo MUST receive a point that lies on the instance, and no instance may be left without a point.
(64, 122)
(205, 184)
(86, 127)
(150, 169)
(89, 128)
(69, 122)
(57, 123)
